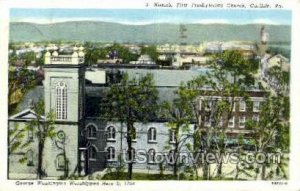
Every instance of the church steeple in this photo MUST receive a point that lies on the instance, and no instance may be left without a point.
(264, 38)
(64, 94)
(64, 84)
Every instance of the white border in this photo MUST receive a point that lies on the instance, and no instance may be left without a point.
(293, 183)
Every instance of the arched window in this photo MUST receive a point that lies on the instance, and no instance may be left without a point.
(92, 153)
(242, 106)
(172, 136)
(61, 100)
(132, 156)
(29, 156)
(60, 162)
(91, 131)
(111, 154)
(152, 135)
(111, 133)
(151, 156)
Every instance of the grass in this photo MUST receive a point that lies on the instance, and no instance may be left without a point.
(144, 176)
(138, 176)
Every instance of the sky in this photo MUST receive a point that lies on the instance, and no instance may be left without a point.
(149, 16)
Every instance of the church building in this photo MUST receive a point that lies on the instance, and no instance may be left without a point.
(85, 143)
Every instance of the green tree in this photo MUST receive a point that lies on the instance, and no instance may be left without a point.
(12, 58)
(93, 53)
(212, 98)
(19, 82)
(41, 60)
(28, 57)
(151, 51)
(271, 132)
(130, 101)
(44, 128)
(16, 138)
(272, 129)
(122, 53)
(179, 116)
(281, 78)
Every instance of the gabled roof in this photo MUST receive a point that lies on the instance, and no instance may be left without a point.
(27, 115)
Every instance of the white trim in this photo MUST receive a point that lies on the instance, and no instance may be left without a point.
(234, 106)
(152, 140)
(233, 122)
(114, 153)
(87, 130)
(16, 116)
(108, 132)
(134, 154)
(110, 126)
(242, 103)
(93, 124)
(200, 104)
(172, 134)
(257, 99)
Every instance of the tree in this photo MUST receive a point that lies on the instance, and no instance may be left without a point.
(19, 82)
(93, 52)
(271, 132)
(179, 116)
(122, 53)
(130, 101)
(151, 51)
(212, 97)
(16, 136)
(41, 60)
(272, 129)
(232, 77)
(12, 58)
(28, 57)
(44, 129)
(280, 80)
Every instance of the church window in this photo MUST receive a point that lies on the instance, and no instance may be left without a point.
(61, 101)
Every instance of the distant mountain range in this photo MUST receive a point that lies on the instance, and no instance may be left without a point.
(152, 33)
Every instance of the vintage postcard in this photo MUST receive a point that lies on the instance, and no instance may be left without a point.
(135, 95)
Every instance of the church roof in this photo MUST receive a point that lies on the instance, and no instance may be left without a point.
(93, 97)
(167, 78)
(166, 81)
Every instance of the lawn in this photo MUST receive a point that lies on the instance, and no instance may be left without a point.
(144, 176)
(138, 176)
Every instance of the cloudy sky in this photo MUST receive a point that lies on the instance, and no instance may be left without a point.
(148, 16)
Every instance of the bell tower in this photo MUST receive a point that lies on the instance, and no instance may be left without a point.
(64, 87)
(264, 38)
